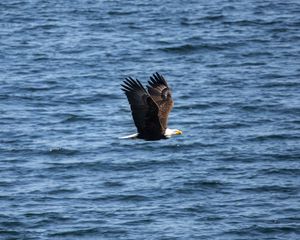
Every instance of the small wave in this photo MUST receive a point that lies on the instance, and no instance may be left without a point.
(290, 110)
(271, 189)
(37, 88)
(62, 151)
(251, 108)
(256, 230)
(196, 106)
(273, 137)
(199, 105)
(133, 198)
(280, 84)
(188, 48)
(213, 17)
(251, 64)
(47, 26)
(272, 76)
(121, 13)
(248, 23)
(281, 171)
(139, 222)
(11, 224)
(93, 231)
(292, 156)
(61, 191)
(98, 97)
(72, 166)
(119, 197)
(190, 22)
(295, 121)
(75, 99)
(231, 125)
(204, 184)
(10, 234)
(169, 147)
(192, 146)
(76, 233)
(142, 165)
(257, 54)
(280, 29)
(113, 184)
(194, 209)
(75, 118)
(6, 184)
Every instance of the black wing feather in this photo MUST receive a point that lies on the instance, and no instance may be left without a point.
(144, 109)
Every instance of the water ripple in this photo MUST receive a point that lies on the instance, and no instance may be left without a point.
(233, 67)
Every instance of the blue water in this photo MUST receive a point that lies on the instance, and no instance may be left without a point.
(234, 67)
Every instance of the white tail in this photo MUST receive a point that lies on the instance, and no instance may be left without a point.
(132, 136)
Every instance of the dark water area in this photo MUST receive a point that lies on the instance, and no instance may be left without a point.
(234, 68)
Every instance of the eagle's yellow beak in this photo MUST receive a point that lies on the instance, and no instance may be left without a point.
(178, 132)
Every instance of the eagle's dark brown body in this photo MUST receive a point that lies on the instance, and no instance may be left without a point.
(150, 109)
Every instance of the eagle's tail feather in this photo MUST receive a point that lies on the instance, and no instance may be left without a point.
(132, 136)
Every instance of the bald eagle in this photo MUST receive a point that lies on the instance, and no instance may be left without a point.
(150, 109)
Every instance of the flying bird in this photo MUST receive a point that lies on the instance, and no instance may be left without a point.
(150, 109)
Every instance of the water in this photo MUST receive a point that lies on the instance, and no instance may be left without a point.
(234, 70)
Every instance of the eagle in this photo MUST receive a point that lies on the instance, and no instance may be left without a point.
(150, 108)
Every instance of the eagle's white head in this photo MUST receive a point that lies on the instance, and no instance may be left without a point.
(170, 132)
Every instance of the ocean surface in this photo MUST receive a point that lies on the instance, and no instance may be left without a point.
(234, 68)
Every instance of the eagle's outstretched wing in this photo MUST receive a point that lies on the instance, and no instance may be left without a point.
(162, 95)
(144, 109)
